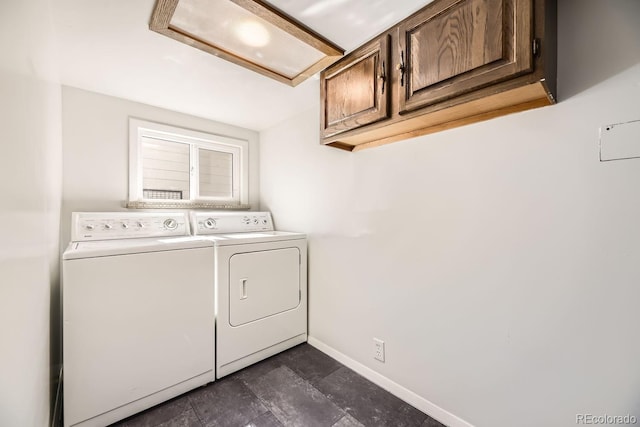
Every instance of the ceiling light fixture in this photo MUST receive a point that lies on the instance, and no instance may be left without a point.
(253, 33)
(250, 33)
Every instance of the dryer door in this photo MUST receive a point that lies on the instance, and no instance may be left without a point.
(262, 284)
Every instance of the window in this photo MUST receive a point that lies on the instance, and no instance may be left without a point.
(175, 167)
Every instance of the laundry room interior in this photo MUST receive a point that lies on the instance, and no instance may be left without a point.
(496, 257)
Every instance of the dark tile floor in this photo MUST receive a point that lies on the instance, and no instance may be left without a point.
(299, 387)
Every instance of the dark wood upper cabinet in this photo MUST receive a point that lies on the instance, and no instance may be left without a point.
(452, 63)
(356, 92)
(455, 46)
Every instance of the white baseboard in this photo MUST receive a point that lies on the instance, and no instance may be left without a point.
(434, 411)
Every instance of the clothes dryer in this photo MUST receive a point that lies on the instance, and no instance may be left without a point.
(261, 286)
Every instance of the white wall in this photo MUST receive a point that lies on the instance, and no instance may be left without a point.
(96, 149)
(30, 189)
(500, 262)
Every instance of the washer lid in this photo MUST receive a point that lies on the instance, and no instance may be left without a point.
(257, 237)
(100, 248)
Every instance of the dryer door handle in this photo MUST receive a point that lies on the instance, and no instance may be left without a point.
(243, 288)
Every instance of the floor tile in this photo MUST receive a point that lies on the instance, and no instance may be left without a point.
(186, 419)
(265, 420)
(300, 387)
(310, 363)
(158, 414)
(294, 401)
(430, 422)
(348, 421)
(256, 371)
(226, 403)
(368, 403)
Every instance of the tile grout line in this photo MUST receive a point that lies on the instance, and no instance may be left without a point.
(261, 401)
(285, 365)
(310, 384)
(195, 410)
(331, 398)
(328, 397)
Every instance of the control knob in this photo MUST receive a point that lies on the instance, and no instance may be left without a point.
(210, 223)
(89, 227)
(108, 226)
(170, 224)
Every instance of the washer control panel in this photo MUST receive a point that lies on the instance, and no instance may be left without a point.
(87, 226)
(230, 222)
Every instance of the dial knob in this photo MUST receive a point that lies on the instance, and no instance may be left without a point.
(139, 224)
(246, 220)
(125, 226)
(264, 221)
(108, 226)
(89, 227)
(170, 224)
(210, 223)
(255, 221)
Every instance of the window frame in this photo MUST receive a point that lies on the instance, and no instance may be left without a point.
(239, 148)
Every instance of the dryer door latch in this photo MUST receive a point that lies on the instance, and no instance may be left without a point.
(243, 288)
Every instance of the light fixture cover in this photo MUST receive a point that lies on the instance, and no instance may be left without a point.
(250, 33)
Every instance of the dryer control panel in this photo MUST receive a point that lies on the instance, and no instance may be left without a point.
(86, 226)
(213, 222)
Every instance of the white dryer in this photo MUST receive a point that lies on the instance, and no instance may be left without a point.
(261, 286)
(138, 303)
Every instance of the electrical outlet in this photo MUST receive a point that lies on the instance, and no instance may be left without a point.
(378, 349)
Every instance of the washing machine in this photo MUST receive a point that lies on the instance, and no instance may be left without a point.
(261, 286)
(138, 304)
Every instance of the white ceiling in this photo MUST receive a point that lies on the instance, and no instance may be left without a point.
(107, 47)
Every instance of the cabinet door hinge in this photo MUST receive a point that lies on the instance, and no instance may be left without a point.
(536, 47)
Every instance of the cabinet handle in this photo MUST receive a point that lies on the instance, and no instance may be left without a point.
(383, 76)
(401, 67)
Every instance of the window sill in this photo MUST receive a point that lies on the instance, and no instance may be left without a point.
(166, 204)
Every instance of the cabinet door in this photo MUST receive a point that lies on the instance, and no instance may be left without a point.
(355, 90)
(457, 46)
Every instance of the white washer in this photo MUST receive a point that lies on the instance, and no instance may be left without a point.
(261, 287)
(138, 306)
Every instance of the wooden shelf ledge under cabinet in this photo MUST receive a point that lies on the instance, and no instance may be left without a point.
(518, 99)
